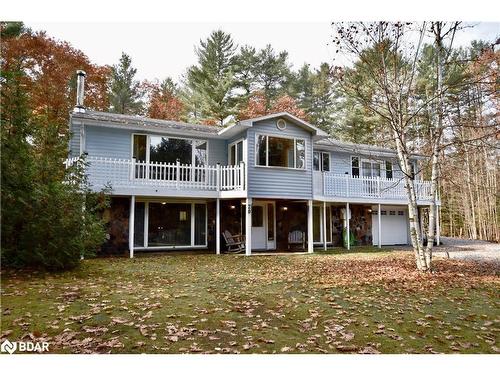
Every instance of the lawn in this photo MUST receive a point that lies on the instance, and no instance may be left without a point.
(363, 302)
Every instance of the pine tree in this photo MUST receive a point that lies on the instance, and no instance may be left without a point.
(273, 74)
(246, 70)
(213, 80)
(43, 224)
(125, 92)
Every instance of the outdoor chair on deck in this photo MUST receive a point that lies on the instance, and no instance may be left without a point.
(297, 237)
(234, 244)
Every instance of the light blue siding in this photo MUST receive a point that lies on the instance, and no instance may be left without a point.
(217, 151)
(108, 142)
(266, 182)
(74, 140)
(340, 163)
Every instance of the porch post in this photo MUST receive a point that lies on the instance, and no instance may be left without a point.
(248, 227)
(131, 226)
(421, 220)
(217, 226)
(347, 216)
(438, 227)
(324, 225)
(379, 218)
(310, 240)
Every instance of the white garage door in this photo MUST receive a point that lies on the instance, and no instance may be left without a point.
(394, 225)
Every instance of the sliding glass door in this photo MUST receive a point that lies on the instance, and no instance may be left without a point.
(170, 225)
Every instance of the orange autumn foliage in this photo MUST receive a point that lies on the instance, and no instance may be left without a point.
(164, 105)
(50, 69)
(256, 107)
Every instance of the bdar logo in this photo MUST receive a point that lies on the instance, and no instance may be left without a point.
(9, 347)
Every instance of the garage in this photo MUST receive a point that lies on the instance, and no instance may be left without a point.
(394, 225)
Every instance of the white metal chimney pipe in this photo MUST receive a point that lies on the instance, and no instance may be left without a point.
(80, 90)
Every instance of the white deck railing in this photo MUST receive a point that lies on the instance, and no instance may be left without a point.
(130, 173)
(347, 186)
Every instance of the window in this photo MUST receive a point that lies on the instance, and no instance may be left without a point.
(257, 216)
(139, 152)
(317, 223)
(236, 153)
(156, 148)
(388, 169)
(169, 224)
(321, 161)
(401, 213)
(200, 224)
(355, 166)
(280, 152)
(413, 170)
(393, 213)
(382, 212)
(168, 150)
(200, 153)
(139, 224)
(370, 168)
(270, 222)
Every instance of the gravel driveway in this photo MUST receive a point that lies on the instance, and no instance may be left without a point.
(459, 248)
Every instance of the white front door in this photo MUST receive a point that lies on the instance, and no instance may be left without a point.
(259, 219)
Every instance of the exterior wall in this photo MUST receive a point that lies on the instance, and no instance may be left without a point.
(74, 140)
(340, 163)
(269, 182)
(117, 143)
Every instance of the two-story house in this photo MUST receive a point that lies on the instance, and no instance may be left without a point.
(181, 186)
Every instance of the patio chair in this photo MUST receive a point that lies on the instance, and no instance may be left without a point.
(234, 244)
(297, 237)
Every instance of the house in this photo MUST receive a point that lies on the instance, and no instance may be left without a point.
(180, 186)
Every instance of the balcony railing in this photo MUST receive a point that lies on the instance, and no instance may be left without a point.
(130, 173)
(347, 186)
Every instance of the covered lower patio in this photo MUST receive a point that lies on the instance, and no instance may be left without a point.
(274, 225)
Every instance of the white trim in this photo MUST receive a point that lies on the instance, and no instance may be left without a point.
(192, 203)
(146, 223)
(131, 222)
(379, 216)
(235, 143)
(348, 217)
(248, 227)
(371, 162)
(324, 226)
(217, 226)
(298, 121)
(294, 168)
(192, 224)
(310, 235)
(321, 156)
(155, 248)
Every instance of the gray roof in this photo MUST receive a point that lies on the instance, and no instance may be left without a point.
(150, 123)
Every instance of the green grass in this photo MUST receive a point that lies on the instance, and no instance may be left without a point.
(365, 300)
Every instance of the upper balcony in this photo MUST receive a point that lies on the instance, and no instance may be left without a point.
(131, 177)
(344, 187)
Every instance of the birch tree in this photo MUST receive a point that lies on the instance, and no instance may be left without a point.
(381, 77)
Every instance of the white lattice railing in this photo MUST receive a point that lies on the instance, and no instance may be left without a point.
(130, 173)
(339, 185)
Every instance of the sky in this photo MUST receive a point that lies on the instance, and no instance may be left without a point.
(160, 50)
